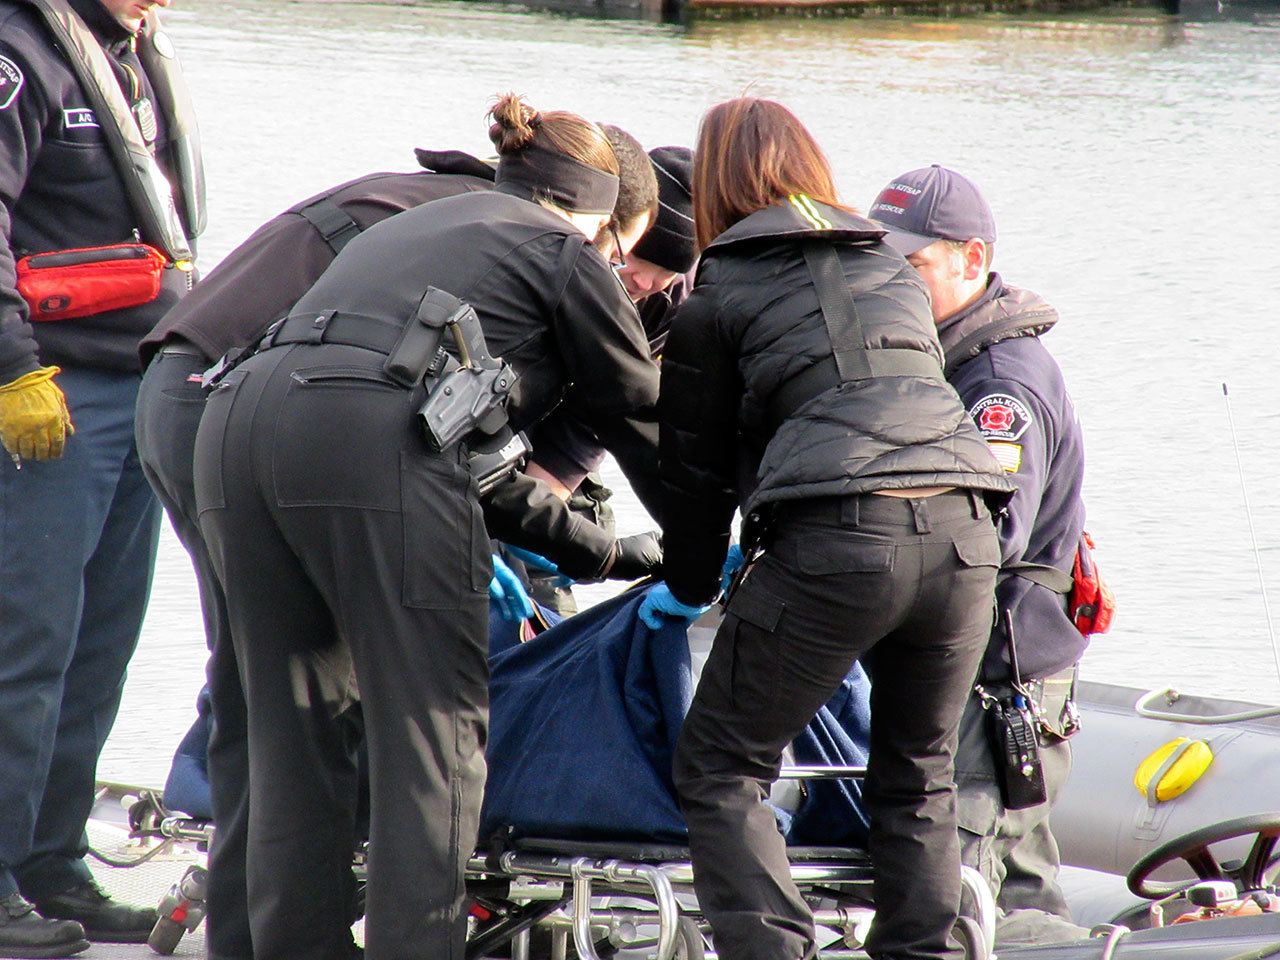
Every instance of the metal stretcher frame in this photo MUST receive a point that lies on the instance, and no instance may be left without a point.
(527, 883)
(523, 886)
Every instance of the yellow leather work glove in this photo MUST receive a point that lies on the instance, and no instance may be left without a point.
(34, 422)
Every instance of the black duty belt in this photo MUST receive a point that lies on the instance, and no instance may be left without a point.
(330, 326)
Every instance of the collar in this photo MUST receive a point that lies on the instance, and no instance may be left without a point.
(1003, 312)
(109, 31)
(800, 216)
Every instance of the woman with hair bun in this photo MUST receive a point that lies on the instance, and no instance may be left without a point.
(802, 383)
(354, 553)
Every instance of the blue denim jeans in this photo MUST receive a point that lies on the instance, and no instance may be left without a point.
(77, 546)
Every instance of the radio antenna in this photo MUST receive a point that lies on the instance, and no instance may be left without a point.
(1257, 555)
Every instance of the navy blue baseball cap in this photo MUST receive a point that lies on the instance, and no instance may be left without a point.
(930, 204)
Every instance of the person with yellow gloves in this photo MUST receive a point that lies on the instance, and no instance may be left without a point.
(100, 197)
(34, 422)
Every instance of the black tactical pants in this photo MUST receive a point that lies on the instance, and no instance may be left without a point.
(170, 404)
(355, 563)
(906, 587)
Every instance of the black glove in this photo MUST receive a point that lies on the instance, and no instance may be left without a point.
(636, 556)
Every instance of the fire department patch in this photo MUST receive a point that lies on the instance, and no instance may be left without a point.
(10, 82)
(1001, 417)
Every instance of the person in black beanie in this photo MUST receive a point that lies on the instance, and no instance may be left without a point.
(667, 249)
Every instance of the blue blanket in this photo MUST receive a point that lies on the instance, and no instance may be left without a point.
(583, 725)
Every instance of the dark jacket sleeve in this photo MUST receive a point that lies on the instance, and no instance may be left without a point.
(1025, 458)
(607, 355)
(524, 512)
(21, 130)
(565, 447)
(701, 392)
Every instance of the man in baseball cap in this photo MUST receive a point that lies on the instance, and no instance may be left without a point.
(1015, 392)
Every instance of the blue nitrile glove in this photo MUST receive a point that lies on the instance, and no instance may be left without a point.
(535, 561)
(733, 562)
(506, 589)
(660, 605)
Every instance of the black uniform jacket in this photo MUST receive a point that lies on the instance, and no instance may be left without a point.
(549, 305)
(60, 189)
(262, 278)
(736, 431)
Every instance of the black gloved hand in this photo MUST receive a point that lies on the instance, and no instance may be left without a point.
(636, 556)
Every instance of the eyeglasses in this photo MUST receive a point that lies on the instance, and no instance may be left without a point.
(617, 261)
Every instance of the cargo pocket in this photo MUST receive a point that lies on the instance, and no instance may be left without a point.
(845, 554)
(977, 811)
(446, 556)
(752, 621)
(980, 551)
(855, 571)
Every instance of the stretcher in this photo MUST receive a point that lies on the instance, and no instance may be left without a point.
(546, 899)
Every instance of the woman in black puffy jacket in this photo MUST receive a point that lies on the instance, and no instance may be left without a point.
(802, 383)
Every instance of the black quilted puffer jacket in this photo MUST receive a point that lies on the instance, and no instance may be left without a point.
(753, 411)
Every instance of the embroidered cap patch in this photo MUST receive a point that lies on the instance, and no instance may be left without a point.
(1000, 417)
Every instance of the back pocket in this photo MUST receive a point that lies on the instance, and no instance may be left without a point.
(337, 436)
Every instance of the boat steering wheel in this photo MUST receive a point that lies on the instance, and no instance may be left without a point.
(1248, 874)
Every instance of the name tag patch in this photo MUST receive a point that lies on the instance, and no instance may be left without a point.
(10, 82)
(78, 117)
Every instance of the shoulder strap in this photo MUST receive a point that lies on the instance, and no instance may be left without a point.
(150, 193)
(160, 61)
(568, 259)
(982, 338)
(844, 328)
(1051, 577)
(334, 224)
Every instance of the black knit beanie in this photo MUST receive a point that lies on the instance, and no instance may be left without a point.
(670, 241)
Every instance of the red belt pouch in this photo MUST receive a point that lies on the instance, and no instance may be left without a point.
(63, 284)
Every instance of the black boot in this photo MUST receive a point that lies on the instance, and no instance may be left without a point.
(25, 934)
(104, 920)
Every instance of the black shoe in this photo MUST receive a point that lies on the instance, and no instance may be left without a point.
(104, 920)
(25, 934)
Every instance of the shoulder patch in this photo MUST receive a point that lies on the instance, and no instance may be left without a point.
(1001, 417)
(1008, 455)
(10, 82)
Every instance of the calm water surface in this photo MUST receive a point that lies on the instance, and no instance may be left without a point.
(1131, 161)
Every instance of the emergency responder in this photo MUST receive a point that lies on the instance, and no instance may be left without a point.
(1016, 394)
(96, 142)
(656, 272)
(815, 401)
(353, 551)
(256, 282)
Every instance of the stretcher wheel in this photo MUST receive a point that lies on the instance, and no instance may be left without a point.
(689, 942)
(165, 936)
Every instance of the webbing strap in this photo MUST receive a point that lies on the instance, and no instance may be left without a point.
(1059, 581)
(332, 222)
(844, 328)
